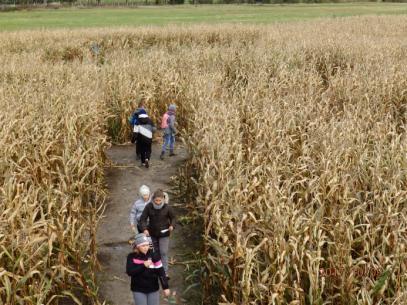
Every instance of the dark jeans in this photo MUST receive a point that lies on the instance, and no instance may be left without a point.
(138, 148)
(145, 151)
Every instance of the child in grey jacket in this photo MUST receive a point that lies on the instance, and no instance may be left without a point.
(168, 123)
(138, 208)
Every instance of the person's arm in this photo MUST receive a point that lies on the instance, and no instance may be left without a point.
(144, 217)
(172, 217)
(132, 268)
(133, 219)
(133, 137)
(160, 270)
(163, 279)
(132, 119)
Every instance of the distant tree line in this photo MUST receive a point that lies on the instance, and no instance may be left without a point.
(30, 2)
(164, 2)
(281, 1)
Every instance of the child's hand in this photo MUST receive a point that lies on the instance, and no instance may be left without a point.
(148, 263)
(146, 233)
(167, 292)
(170, 228)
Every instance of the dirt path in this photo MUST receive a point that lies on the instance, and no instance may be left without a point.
(124, 179)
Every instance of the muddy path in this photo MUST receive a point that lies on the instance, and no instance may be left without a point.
(123, 179)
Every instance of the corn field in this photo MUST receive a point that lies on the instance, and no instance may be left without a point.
(297, 138)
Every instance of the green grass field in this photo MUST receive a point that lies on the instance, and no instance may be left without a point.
(187, 14)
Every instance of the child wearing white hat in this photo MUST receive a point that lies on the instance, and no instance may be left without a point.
(138, 208)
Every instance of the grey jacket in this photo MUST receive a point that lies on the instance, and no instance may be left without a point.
(136, 211)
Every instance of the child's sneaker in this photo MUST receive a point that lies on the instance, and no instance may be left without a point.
(147, 164)
(172, 154)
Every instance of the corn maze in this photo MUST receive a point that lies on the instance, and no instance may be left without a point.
(297, 142)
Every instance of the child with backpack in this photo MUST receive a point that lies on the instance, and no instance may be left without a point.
(134, 120)
(168, 126)
(146, 271)
(158, 221)
(143, 134)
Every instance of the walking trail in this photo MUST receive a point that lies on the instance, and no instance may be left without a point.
(124, 178)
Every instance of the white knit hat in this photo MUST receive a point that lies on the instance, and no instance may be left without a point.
(144, 190)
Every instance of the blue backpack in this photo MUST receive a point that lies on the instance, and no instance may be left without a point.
(133, 120)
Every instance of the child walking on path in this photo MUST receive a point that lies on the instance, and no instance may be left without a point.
(169, 129)
(158, 221)
(134, 120)
(146, 270)
(138, 208)
(134, 116)
(143, 134)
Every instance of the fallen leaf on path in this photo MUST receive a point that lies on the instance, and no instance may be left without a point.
(118, 278)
